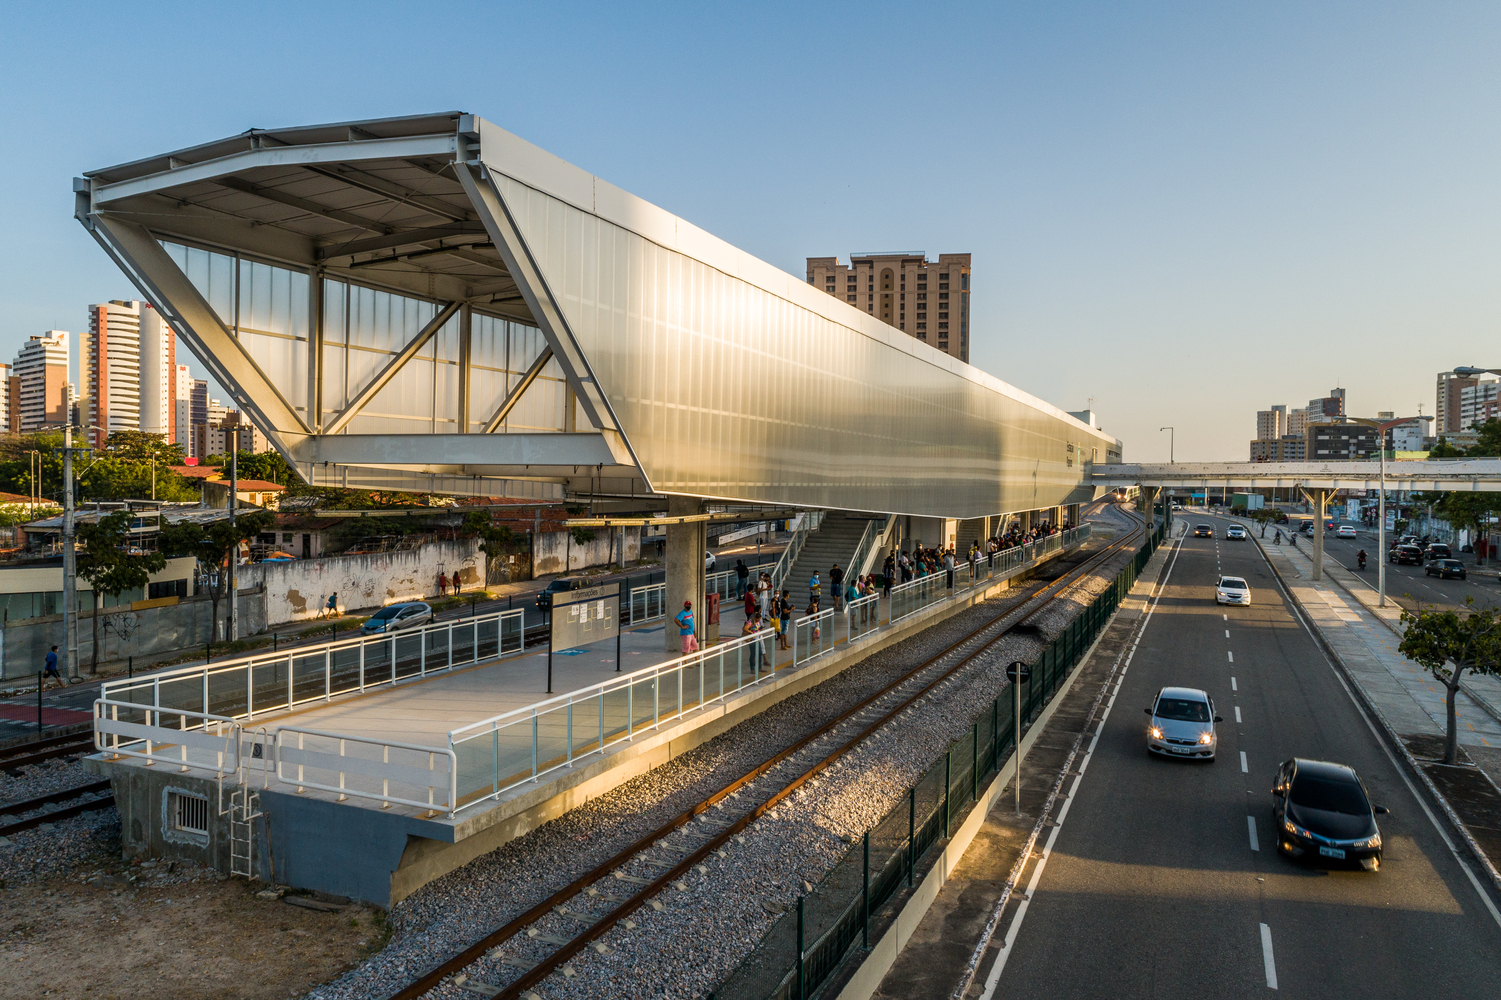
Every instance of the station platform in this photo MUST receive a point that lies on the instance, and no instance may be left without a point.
(374, 792)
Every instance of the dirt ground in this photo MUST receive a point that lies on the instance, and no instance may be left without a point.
(118, 931)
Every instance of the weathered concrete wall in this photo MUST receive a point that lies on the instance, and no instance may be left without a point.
(125, 633)
(551, 548)
(298, 589)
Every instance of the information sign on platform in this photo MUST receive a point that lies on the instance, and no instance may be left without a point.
(590, 614)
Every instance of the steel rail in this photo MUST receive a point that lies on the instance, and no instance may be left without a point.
(530, 977)
(16, 826)
(85, 744)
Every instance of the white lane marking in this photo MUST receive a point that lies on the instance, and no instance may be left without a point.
(1266, 957)
(1443, 834)
(1251, 823)
(1232, 685)
(1227, 633)
(1231, 655)
(994, 978)
(1237, 713)
(1243, 768)
(1227, 618)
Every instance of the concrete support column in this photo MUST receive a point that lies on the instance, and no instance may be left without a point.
(1026, 520)
(1073, 514)
(1148, 497)
(1319, 497)
(685, 569)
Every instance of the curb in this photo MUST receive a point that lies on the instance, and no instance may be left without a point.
(1391, 734)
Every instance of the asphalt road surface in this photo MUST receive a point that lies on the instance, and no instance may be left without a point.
(1164, 879)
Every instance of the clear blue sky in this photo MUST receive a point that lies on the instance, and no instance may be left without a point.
(1186, 211)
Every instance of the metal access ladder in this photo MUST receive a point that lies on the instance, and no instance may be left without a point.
(245, 800)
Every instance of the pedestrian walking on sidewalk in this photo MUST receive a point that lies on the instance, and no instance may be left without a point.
(836, 581)
(442, 585)
(684, 618)
(50, 670)
(455, 582)
(742, 574)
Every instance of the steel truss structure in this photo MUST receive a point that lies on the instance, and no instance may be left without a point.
(430, 303)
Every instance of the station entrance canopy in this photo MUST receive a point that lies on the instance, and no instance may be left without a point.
(1462, 475)
(432, 304)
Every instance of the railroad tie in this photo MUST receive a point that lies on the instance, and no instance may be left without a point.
(511, 961)
(475, 986)
(537, 935)
(631, 879)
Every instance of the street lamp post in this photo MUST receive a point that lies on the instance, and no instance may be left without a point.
(1171, 434)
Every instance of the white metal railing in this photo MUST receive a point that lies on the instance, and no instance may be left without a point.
(495, 754)
(149, 733)
(812, 636)
(648, 603)
(358, 765)
(862, 616)
(252, 685)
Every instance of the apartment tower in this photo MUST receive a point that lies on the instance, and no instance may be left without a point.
(1446, 411)
(43, 387)
(130, 371)
(925, 299)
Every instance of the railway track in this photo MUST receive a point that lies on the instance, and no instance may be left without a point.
(48, 749)
(9, 826)
(690, 838)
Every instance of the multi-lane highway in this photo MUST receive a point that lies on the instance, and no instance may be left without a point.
(1164, 878)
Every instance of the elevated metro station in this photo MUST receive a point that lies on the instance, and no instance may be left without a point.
(432, 304)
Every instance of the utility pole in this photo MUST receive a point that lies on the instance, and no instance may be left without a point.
(234, 551)
(70, 563)
(1381, 534)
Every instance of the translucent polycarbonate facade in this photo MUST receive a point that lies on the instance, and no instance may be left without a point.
(725, 389)
(266, 308)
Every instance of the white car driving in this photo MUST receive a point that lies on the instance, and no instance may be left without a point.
(1182, 724)
(1232, 590)
(1345, 531)
(1236, 531)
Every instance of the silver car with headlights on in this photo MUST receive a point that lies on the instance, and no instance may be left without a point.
(1183, 724)
(1232, 590)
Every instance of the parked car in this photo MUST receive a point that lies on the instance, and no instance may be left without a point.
(1183, 724)
(1445, 569)
(1405, 555)
(1232, 590)
(709, 561)
(1235, 531)
(1346, 531)
(1203, 531)
(1320, 811)
(397, 617)
(559, 586)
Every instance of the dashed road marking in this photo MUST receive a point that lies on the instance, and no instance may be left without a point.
(1243, 768)
(1251, 823)
(1266, 957)
(1237, 713)
(1231, 655)
(1232, 685)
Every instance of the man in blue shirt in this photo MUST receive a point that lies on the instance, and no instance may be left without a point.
(684, 618)
(50, 670)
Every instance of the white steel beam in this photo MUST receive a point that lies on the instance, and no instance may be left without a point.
(1465, 476)
(453, 451)
(160, 280)
(393, 366)
(277, 156)
(514, 396)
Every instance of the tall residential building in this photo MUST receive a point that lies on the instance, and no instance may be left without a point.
(198, 412)
(234, 430)
(182, 410)
(926, 299)
(1297, 421)
(10, 411)
(1327, 408)
(1473, 400)
(217, 412)
(1271, 424)
(130, 367)
(1446, 402)
(43, 375)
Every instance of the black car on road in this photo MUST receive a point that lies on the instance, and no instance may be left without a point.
(1203, 531)
(1321, 812)
(1445, 569)
(559, 586)
(1405, 555)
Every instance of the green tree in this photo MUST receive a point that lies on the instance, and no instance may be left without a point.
(1448, 643)
(143, 447)
(105, 560)
(267, 465)
(212, 545)
(1489, 445)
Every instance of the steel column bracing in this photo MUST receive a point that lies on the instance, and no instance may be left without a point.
(386, 374)
(514, 396)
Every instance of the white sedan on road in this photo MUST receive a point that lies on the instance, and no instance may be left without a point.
(1235, 531)
(1345, 531)
(1232, 590)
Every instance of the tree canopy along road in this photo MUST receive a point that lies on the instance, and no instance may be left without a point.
(1164, 878)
